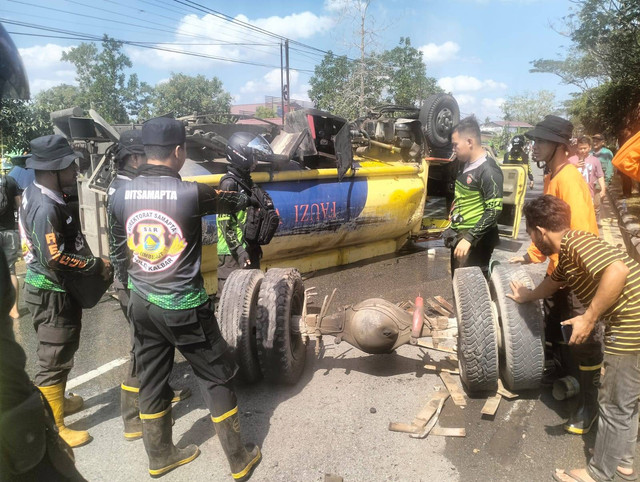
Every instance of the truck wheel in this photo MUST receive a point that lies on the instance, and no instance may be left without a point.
(477, 342)
(281, 350)
(521, 339)
(237, 318)
(439, 114)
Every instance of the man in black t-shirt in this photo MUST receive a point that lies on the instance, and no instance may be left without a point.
(9, 237)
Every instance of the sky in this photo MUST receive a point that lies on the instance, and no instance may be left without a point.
(479, 50)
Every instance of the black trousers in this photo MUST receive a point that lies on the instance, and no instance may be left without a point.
(132, 374)
(561, 306)
(479, 253)
(228, 263)
(195, 333)
(57, 319)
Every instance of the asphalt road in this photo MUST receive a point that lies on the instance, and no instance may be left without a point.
(335, 419)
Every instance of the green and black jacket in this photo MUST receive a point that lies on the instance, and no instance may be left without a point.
(478, 199)
(230, 226)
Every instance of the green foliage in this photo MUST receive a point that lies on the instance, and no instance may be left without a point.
(102, 81)
(18, 125)
(184, 95)
(530, 107)
(264, 112)
(604, 62)
(395, 76)
(59, 97)
(407, 81)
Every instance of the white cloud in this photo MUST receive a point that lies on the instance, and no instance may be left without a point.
(432, 52)
(339, 6)
(269, 84)
(466, 83)
(44, 67)
(214, 37)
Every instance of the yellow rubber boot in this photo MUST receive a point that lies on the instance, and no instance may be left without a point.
(73, 403)
(55, 397)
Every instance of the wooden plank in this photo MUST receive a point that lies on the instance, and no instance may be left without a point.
(440, 368)
(448, 432)
(426, 344)
(446, 333)
(425, 414)
(429, 426)
(504, 392)
(491, 405)
(403, 427)
(436, 307)
(445, 303)
(456, 393)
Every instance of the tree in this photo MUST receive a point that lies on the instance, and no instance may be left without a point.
(530, 107)
(407, 82)
(102, 81)
(18, 125)
(59, 97)
(183, 95)
(264, 112)
(603, 61)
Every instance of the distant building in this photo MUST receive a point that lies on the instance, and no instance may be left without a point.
(274, 103)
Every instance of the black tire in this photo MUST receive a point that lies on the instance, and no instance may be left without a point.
(439, 114)
(477, 341)
(237, 313)
(522, 333)
(281, 350)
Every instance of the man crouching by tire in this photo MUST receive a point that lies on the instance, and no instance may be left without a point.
(477, 203)
(606, 281)
(160, 215)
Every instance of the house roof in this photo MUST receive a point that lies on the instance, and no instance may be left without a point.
(516, 124)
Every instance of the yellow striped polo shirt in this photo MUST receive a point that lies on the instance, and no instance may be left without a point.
(582, 260)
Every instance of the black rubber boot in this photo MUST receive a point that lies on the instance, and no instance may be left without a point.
(586, 412)
(163, 455)
(243, 459)
(130, 412)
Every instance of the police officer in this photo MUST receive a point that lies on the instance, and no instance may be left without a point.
(160, 216)
(56, 249)
(234, 250)
(517, 155)
(129, 156)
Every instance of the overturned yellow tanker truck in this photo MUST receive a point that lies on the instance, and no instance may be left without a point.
(345, 191)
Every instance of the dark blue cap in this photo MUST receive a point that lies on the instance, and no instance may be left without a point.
(51, 153)
(163, 131)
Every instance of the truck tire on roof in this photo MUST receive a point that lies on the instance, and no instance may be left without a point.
(439, 114)
(281, 350)
(521, 345)
(237, 318)
(477, 341)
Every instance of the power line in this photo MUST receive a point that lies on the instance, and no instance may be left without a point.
(93, 38)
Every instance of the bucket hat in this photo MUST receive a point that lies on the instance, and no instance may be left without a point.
(51, 153)
(552, 128)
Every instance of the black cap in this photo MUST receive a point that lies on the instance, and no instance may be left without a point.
(51, 153)
(163, 131)
(552, 128)
(132, 141)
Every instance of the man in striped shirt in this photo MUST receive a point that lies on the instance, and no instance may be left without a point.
(607, 282)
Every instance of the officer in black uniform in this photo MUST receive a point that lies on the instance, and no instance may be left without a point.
(160, 215)
(129, 156)
(57, 251)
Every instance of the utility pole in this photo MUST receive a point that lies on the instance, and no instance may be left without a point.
(281, 85)
(288, 91)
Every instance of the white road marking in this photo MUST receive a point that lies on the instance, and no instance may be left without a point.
(96, 373)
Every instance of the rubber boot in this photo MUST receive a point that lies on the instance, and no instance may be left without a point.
(130, 412)
(157, 437)
(243, 459)
(55, 397)
(586, 412)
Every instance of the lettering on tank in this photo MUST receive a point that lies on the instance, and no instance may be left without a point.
(155, 239)
(153, 194)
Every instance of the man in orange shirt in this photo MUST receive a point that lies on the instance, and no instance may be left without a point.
(563, 180)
